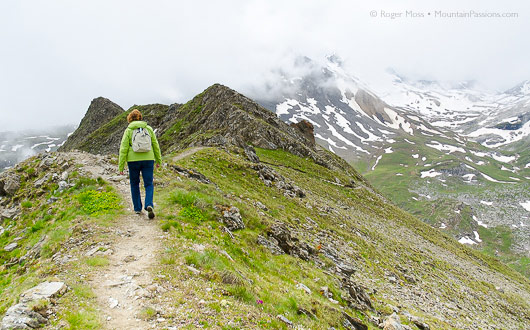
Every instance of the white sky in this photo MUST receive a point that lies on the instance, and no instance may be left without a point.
(56, 56)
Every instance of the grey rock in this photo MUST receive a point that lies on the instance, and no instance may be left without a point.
(10, 213)
(261, 206)
(20, 316)
(63, 185)
(10, 247)
(52, 200)
(285, 320)
(232, 219)
(392, 323)
(45, 290)
(251, 154)
(346, 268)
(354, 323)
(64, 176)
(9, 183)
(271, 244)
(42, 180)
(358, 296)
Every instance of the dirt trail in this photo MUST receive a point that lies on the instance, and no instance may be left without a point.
(187, 153)
(123, 287)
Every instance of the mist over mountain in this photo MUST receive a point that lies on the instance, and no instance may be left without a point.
(20, 145)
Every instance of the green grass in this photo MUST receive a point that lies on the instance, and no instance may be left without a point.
(96, 261)
(255, 274)
(98, 202)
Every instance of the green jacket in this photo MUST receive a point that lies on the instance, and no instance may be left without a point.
(126, 152)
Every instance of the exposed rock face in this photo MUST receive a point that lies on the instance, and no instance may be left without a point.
(100, 112)
(9, 183)
(232, 218)
(281, 235)
(307, 129)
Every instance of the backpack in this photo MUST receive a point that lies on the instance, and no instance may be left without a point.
(141, 140)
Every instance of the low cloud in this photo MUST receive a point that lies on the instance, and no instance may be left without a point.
(57, 56)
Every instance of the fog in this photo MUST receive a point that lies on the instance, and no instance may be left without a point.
(58, 55)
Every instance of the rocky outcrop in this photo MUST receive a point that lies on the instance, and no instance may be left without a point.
(270, 177)
(232, 218)
(9, 183)
(280, 240)
(31, 311)
(99, 113)
(307, 129)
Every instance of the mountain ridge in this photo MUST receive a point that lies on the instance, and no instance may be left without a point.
(253, 237)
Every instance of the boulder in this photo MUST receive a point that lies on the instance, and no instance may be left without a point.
(22, 316)
(10, 247)
(45, 290)
(353, 323)
(392, 323)
(9, 183)
(251, 154)
(271, 244)
(232, 219)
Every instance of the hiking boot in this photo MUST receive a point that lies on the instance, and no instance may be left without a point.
(150, 212)
(138, 212)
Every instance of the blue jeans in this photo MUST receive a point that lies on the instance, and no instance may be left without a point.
(146, 167)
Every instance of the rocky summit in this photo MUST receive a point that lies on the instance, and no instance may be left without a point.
(257, 227)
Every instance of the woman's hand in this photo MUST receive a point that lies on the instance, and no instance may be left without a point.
(157, 165)
(121, 173)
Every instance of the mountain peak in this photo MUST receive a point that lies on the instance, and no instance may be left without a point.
(100, 111)
(219, 116)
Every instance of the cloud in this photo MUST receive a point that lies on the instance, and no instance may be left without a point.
(58, 55)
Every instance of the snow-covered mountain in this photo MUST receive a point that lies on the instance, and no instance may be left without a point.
(491, 118)
(18, 146)
(455, 155)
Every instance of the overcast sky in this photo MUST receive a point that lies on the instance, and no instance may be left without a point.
(56, 56)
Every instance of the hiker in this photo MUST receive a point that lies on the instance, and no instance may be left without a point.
(139, 148)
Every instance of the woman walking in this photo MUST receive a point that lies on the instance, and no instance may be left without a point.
(139, 148)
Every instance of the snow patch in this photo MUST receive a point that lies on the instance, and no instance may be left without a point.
(398, 122)
(466, 240)
(486, 203)
(377, 161)
(388, 150)
(445, 147)
(526, 205)
(477, 237)
(480, 223)
(16, 147)
(415, 156)
(430, 174)
(443, 226)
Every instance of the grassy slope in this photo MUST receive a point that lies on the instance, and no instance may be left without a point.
(67, 226)
(449, 196)
(369, 232)
(237, 274)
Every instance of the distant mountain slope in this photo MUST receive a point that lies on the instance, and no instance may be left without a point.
(428, 146)
(284, 236)
(18, 146)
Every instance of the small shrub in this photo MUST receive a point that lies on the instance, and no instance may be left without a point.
(184, 198)
(241, 293)
(97, 261)
(37, 226)
(26, 204)
(147, 313)
(98, 202)
(192, 214)
(82, 319)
